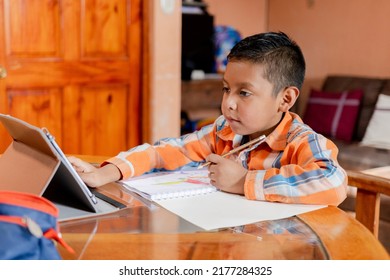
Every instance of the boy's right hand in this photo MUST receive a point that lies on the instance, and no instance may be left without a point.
(92, 176)
(226, 174)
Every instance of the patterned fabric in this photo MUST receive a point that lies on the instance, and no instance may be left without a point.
(293, 165)
(333, 114)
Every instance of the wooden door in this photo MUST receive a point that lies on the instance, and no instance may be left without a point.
(74, 66)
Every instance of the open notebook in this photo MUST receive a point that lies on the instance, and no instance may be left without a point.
(168, 185)
(34, 163)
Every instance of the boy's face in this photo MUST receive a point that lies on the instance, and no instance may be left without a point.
(248, 103)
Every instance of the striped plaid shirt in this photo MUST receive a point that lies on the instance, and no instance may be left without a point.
(293, 165)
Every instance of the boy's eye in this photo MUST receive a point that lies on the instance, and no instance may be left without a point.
(244, 93)
(225, 90)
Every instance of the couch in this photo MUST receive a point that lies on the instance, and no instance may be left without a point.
(352, 154)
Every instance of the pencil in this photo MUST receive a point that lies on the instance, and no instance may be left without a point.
(238, 149)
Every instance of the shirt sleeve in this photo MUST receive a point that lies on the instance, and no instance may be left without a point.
(167, 153)
(307, 172)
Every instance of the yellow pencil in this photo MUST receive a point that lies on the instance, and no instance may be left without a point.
(261, 139)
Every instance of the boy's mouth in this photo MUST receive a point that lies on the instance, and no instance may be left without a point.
(232, 120)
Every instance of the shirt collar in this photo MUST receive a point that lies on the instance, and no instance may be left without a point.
(277, 139)
(226, 134)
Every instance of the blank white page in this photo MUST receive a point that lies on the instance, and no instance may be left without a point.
(220, 210)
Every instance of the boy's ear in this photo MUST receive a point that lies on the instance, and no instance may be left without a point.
(288, 98)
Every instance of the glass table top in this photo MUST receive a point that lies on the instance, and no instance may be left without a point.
(288, 238)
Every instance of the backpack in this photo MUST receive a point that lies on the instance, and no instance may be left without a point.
(28, 227)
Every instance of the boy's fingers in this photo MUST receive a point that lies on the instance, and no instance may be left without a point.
(75, 161)
(213, 158)
(79, 165)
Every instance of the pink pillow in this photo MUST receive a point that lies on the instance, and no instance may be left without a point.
(333, 114)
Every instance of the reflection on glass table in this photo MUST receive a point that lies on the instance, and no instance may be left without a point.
(151, 232)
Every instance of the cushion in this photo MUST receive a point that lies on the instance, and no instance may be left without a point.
(371, 88)
(378, 133)
(333, 114)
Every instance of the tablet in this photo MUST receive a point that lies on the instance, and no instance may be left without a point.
(35, 163)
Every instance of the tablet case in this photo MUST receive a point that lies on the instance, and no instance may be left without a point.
(33, 163)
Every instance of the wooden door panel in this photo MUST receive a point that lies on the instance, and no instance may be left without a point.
(62, 55)
(71, 125)
(103, 119)
(104, 28)
(99, 119)
(40, 107)
(24, 24)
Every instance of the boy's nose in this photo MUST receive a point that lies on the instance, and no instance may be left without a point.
(231, 103)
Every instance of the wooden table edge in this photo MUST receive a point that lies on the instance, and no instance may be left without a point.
(343, 237)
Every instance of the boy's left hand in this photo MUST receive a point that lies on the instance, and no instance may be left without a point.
(226, 175)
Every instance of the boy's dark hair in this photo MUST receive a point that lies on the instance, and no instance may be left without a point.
(282, 58)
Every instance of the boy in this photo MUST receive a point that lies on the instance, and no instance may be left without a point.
(261, 83)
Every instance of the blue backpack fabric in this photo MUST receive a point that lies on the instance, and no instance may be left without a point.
(28, 227)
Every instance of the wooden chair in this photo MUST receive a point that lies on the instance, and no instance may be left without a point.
(367, 204)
